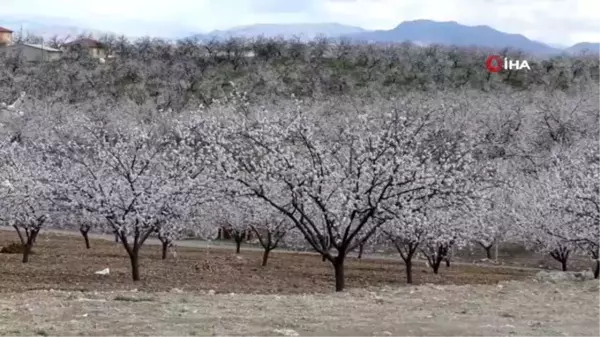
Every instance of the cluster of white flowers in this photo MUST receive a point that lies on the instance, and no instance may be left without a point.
(320, 179)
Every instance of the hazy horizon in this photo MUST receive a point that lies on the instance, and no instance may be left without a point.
(563, 22)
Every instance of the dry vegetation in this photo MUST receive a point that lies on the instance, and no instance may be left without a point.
(510, 308)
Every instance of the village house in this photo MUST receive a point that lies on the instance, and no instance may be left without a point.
(95, 48)
(33, 52)
(6, 36)
(28, 52)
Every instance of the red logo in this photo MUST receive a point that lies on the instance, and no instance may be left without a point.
(493, 63)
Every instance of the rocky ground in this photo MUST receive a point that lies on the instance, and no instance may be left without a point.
(508, 308)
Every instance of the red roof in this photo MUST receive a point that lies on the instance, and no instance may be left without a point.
(5, 30)
(88, 43)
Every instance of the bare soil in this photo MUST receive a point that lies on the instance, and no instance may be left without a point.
(509, 308)
(516, 255)
(61, 262)
(216, 292)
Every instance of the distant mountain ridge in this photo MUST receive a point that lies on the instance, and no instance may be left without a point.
(419, 32)
(46, 27)
(303, 31)
(584, 47)
(453, 33)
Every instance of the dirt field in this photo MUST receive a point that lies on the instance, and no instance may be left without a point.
(213, 291)
(62, 263)
(515, 255)
(510, 308)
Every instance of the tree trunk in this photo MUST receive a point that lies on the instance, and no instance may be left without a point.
(488, 251)
(23, 242)
(26, 252)
(324, 258)
(238, 244)
(265, 257)
(135, 265)
(165, 248)
(28, 245)
(435, 260)
(561, 255)
(133, 250)
(85, 237)
(407, 255)
(597, 269)
(116, 237)
(338, 266)
(361, 249)
(408, 263)
(447, 262)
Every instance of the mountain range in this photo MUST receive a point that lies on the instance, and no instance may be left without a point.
(427, 32)
(48, 27)
(45, 27)
(421, 32)
(302, 31)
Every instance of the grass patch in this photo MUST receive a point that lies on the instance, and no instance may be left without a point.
(124, 298)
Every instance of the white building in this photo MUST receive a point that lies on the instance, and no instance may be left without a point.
(33, 52)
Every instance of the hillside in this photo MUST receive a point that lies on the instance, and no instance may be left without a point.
(304, 31)
(453, 33)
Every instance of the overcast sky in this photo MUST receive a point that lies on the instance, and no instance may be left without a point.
(551, 21)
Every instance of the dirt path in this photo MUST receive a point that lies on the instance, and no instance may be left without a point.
(520, 308)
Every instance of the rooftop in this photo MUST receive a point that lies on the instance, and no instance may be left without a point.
(42, 47)
(36, 46)
(89, 43)
(5, 30)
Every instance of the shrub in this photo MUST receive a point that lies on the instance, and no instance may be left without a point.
(13, 248)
